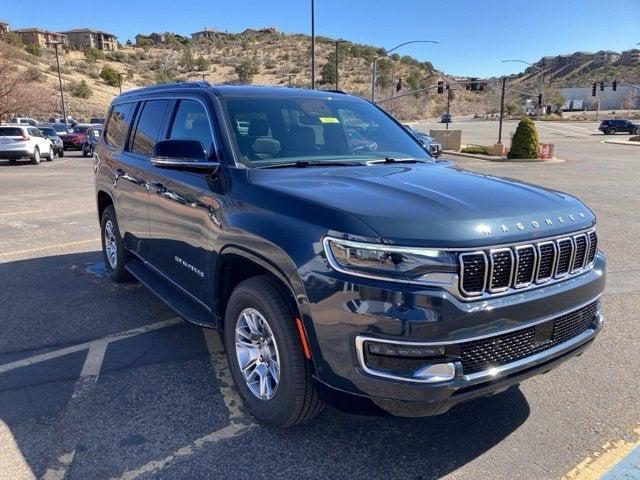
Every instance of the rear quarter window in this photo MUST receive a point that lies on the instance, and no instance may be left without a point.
(118, 125)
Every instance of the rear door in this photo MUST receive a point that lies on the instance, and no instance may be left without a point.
(40, 140)
(183, 225)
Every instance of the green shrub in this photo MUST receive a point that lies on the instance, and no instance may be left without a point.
(110, 76)
(12, 38)
(33, 49)
(93, 54)
(246, 70)
(525, 142)
(81, 89)
(478, 150)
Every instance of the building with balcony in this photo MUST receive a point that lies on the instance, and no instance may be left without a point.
(39, 37)
(83, 38)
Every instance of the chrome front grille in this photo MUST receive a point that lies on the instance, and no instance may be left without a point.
(497, 271)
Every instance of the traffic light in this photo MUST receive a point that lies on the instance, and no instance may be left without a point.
(614, 85)
(399, 85)
(540, 99)
(440, 86)
(593, 89)
(602, 86)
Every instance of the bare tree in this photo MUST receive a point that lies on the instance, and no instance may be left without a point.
(629, 101)
(16, 90)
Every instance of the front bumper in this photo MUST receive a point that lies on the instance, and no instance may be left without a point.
(340, 314)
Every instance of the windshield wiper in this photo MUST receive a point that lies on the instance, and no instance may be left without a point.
(306, 163)
(395, 160)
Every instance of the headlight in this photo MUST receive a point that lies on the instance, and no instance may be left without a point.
(385, 262)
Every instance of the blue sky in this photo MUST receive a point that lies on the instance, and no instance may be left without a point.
(474, 35)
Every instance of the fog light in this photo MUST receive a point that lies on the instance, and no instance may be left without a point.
(438, 372)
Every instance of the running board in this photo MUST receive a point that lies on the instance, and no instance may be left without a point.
(178, 301)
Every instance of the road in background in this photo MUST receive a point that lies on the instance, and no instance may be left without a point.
(99, 380)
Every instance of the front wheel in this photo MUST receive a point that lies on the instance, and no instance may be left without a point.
(50, 154)
(84, 151)
(612, 131)
(113, 249)
(265, 355)
(61, 153)
(636, 131)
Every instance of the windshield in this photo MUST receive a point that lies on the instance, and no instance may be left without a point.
(60, 128)
(79, 129)
(47, 131)
(272, 131)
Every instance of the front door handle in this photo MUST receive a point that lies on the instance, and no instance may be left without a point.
(119, 173)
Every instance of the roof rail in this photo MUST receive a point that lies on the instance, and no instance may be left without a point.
(164, 86)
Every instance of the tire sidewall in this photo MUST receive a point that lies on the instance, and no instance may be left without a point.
(36, 156)
(118, 273)
(612, 131)
(276, 411)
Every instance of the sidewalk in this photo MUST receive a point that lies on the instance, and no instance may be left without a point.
(627, 142)
(493, 158)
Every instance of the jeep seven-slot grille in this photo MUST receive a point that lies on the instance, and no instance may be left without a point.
(498, 270)
(486, 353)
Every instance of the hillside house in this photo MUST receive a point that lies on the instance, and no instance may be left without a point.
(83, 38)
(37, 36)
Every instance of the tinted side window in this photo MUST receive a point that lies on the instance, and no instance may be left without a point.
(118, 125)
(148, 127)
(191, 122)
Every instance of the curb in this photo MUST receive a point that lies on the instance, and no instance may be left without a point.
(628, 143)
(490, 158)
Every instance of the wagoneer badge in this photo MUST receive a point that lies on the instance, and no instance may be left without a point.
(486, 230)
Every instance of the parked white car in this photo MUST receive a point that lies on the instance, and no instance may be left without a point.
(24, 121)
(19, 141)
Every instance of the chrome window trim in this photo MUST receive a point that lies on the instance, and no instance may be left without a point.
(553, 262)
(575, 268)
(489, 280)
(533, 271)
(486, 269)
(571, 255)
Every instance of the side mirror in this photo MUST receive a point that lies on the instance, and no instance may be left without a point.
(181, 154)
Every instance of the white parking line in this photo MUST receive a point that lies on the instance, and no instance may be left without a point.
(25, 362)
(49, 247)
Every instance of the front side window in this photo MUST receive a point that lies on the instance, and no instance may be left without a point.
(191, 122)
(148, 128)
(282, 130)
(118, 124)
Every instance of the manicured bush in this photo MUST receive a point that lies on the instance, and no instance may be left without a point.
(478, 150)
(525, 142)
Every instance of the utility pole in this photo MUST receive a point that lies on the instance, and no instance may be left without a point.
(313, 45)
(55, 46)
(120, 75)
(504, 87)
(290, 85)
(448, 105)
(337, 61)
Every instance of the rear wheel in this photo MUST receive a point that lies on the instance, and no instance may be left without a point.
(265, 355)
(84, 151)
(35, 156)
(113, 249)
(61, 153)
(50, 154)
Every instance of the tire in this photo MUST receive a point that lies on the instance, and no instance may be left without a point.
(294, 399)
(636, 131)
(51, 154)
(611, 131)
(61, 153)
(116, 258)
(35, 156)
(84, 152)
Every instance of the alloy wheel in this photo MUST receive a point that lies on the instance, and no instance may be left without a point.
(257, 354)
(110, 245)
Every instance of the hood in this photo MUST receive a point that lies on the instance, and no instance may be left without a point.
(433, 204)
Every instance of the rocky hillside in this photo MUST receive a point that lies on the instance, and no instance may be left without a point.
(90, 78)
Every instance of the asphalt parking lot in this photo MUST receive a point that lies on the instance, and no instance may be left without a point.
(99, 380)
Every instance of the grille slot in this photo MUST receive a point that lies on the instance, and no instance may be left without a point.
(501, 270)
(593, 247)
(565, 255)
(474, 273)
(580, 242)
(479, 355)
(525, 265)
(546, 261)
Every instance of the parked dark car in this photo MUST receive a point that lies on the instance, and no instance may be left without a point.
(427, 141)
(56, 141)
(60, 128)
(611, 127)
(91, 137)
(446, 118)
(97, 120)
(375, 279)
(75, 138)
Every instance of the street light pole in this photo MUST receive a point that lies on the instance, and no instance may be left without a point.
(374, 66)
(541, 77)
(313, 45)
(55, 46)
(504, 86)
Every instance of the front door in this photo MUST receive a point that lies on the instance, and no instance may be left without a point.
(182, 208)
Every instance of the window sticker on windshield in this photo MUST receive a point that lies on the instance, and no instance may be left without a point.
(329, 120)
